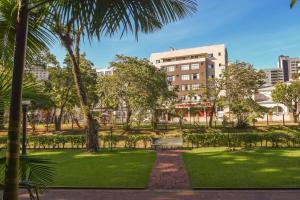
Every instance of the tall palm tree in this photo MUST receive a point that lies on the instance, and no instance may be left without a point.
(94, 18)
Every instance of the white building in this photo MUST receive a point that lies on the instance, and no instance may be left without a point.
(104, 71)
(264, 98)
(39, 73)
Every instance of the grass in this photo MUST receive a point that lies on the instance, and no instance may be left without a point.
(260, 168)
(125, 169)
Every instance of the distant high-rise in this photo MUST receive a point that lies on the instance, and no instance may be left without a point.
(273, 76)
(289, 66)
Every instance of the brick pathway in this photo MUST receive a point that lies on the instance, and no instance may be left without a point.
(68, 194)
(169, 172)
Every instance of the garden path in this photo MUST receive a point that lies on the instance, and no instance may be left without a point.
(168, 171)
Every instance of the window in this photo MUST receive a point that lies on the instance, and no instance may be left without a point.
(185, 67)
(219, 53)
(185, 87)
(195, 66)
(194, 57)
(210, 66)
(157, 61)
(195, 86)
(220, 65)
(171, 78)
(195, 76)
(210, 55)
(170, 68)
(185, 77)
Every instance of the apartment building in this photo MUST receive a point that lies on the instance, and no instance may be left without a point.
(40, 73)
(188, 70)
(273, 76)
(289, 66)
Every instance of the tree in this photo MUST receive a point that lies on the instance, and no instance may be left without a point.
(213, 95)
(60, 88)
(289, 95)
(136, 85)
(241, 81)
(95, 17)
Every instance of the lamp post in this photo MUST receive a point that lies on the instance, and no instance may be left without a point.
(25, 105)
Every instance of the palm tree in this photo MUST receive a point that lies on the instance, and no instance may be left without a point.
(92, 18)
(293, 3)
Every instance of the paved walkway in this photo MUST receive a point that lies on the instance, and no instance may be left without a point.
(60, 194)
(168, 171)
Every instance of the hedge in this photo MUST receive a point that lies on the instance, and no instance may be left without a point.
(231, 140)
(79, 141)
(242, 139)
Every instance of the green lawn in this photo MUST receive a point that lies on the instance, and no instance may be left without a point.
(129, 169)
(261, 168)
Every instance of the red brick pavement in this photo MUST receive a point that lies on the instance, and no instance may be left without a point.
(169, 172)
(81, 194)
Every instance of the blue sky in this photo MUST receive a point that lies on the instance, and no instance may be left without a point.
(256, 31)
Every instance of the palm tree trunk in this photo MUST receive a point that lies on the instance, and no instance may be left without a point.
(11, 183)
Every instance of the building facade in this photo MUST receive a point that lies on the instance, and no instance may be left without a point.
(289, 66)
(188, 70)
(273, 76)
(104, 71)
(278, 111)
(38, 72)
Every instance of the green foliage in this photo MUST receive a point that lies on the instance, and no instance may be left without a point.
(289, 95)
(135, 84)
(241, 81)
(242, 139)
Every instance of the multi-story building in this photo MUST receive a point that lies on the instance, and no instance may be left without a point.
(290, 67)
(273, 76)
(188, 70)
(40, 73)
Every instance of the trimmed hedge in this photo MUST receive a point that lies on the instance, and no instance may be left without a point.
(79, 141)
(242, 139)
(231, 140)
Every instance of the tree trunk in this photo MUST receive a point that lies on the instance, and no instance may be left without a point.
(57, 122)
(211, 115)
(11, 184)
(295, 116)
(92, 141)
(154, 120)
(127, 121)
(1, 117)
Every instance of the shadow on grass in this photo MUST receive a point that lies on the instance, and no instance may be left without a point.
(257, 168)
(120, 168)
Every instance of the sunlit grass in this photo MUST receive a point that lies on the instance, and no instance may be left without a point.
(261, 168)
(128, 169)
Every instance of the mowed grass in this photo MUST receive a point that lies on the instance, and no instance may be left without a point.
(261, 168)
(125, 169)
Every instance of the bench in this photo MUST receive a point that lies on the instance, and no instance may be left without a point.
(167, 143)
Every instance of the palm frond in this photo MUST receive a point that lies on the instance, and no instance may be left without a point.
(39, 171)
(108, 17)
(293, 3)
(39, 37)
